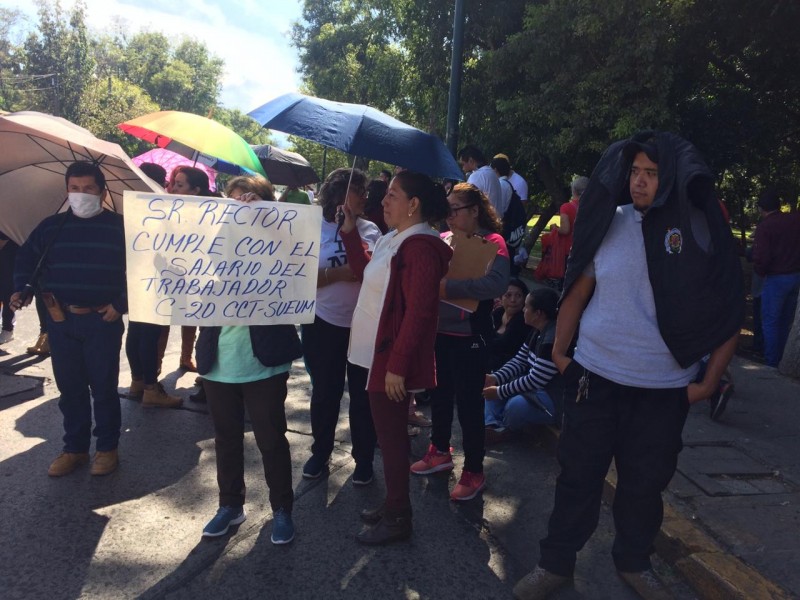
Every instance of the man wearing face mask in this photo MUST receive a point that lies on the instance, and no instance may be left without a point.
(83, 284)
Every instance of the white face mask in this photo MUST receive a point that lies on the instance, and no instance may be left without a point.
(85, 206)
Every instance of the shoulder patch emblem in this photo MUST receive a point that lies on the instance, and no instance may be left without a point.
(673, 241)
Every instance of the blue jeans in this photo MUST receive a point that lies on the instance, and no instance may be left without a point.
(85, 353)
(778, 305)
(518, 411)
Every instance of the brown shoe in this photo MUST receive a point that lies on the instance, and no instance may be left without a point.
(538, 585)
(372, 515)
(389, 529)
(646, 584)
(137, 388)
(41, 347)
(419, 420)
(66, 463)
(156, 396)
(105, 462)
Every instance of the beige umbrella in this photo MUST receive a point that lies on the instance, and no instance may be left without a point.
(37, 149)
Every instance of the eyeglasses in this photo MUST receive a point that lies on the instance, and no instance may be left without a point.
(453, 211)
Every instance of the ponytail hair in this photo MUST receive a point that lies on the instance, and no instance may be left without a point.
(432, 195)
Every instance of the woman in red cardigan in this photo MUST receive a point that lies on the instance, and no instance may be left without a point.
(394, 329)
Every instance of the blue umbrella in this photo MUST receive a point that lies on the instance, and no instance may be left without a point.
(359, 130)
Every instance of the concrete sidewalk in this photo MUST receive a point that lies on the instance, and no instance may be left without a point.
(136, 533)
(734, 504)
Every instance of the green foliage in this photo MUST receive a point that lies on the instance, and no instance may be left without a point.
(60, 49)
(247, 127)
(100, 81)
(107, 102)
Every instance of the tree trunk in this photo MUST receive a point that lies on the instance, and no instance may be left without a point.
(547, 174)
(790, 363)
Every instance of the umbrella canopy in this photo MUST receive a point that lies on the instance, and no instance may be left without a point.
(359, 130)
(37, 149)
(197, 138)
(170, 160)
(284, 167)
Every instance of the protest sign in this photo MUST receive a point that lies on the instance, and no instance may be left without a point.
(214, 261)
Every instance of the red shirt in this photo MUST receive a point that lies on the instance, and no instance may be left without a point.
(776, 248)
(569, 210)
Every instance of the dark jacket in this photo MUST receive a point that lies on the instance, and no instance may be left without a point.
(273, 345)
(692, 262)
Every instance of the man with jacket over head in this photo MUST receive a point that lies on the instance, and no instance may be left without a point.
(83, 285)
(655, 283)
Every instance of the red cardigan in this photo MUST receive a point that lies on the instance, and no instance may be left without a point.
(407, 325)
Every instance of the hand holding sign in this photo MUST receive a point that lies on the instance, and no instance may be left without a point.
(213, 261)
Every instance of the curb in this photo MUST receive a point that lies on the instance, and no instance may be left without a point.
(711, 571)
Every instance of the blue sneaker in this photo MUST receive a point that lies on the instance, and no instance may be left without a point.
(314, 467)
(363, 474)
(282, 527)
(226, 517)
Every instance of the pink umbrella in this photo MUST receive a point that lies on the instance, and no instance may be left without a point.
(169, 160)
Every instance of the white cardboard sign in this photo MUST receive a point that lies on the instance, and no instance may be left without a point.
(195, 260)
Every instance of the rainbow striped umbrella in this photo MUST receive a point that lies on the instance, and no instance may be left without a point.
(197, 138)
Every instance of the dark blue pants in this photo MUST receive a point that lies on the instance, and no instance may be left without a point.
(141, 346)
(325, 354)
(461, 363)
(641, 430)
(85, 354)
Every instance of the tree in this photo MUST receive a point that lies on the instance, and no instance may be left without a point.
(347, 52)
(60, 50)
(107, 102)
(247, 127)
(11, 79)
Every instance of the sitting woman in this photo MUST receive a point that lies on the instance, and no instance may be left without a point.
(524, 390)
(510, 328)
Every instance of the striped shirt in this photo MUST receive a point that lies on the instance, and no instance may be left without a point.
(85, 265)
(532, 368)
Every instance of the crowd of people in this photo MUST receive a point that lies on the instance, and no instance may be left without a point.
(391, 324)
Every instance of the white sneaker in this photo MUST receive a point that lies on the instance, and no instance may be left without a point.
(6, 336)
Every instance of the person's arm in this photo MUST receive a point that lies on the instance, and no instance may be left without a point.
(540, 373)
(569, 315)
(419, 278)
(492, 285)
(717, 364)
(760, 251)
(329, 275)
(563, 222)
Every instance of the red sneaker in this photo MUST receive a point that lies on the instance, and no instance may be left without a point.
(468, 486)
(433, 462)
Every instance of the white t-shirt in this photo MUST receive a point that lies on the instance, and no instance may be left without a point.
(619, 337)
(520, 185)
(336, 302)
(485, 179)
(505, 198)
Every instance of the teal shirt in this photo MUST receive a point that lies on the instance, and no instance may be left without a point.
(235, 361)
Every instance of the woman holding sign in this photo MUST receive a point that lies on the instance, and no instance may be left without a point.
(325, 340)
(247, 367)
(394, 327)
(461, 352)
